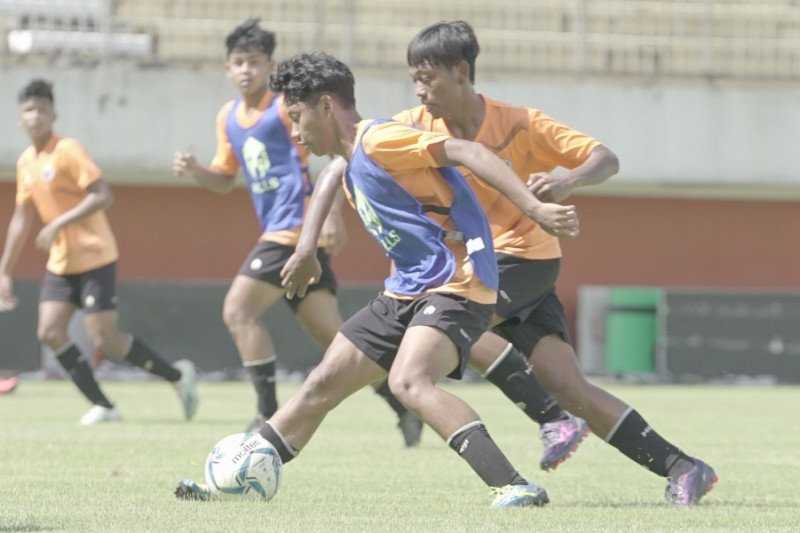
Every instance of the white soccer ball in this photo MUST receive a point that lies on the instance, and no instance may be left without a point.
(243, 466)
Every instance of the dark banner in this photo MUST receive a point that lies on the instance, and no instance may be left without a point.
(714, 334)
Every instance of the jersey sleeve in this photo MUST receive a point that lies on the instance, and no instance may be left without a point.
(24, 192)
(224, 159)
(79, 164)
(558, 144)
(397, 147)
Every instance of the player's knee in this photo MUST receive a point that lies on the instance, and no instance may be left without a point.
(236, 318)
(410, 390)
(51, 335)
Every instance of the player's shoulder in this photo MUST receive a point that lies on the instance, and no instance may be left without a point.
(26, 156)
(416, 117)
(225, 109)
(68, 146)
(376, 133)
(508, 116)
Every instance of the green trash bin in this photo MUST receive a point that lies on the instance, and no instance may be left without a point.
(631, 330)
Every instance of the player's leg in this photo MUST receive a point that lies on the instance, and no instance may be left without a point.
(344, 369)
(318, 313)
(555, 364)
(59, 299)
(436, 344)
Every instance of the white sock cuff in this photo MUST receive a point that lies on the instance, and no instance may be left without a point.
(498, 360)
(618, 424)
(259, 362)
(462, 429)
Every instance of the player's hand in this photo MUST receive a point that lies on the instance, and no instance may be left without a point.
(333, 236)
(300, 271)
(558, 220)
(45, 238)
(183, 164)
(549, 188)
(8, 302)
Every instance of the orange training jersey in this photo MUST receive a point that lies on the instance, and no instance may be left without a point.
(226, 161)
(530, 142)
(404, 154)
(56, 180)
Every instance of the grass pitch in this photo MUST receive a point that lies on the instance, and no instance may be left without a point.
(356, 476)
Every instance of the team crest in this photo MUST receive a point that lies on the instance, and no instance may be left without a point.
(255, 157)
(48, 173)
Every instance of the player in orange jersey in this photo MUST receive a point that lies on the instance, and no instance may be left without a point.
(57, 179)
(441, 60)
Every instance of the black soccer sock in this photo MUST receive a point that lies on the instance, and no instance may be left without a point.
(285, 450)
(511, 375)
(636, 439)
(262, 373)
(473, 443)
(73, 362)
(143, 356)
(384, 392)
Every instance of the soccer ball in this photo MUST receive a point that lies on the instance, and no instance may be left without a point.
(243, 466)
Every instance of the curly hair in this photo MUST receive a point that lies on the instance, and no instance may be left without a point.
(305, 77)
(249, 35)
(445, 44)
(37, 88)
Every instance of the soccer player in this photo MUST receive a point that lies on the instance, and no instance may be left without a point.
(253, 136)
(440, 295)
(57, 179)
(441, 59)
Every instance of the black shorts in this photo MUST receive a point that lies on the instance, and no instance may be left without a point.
(528, 302)
(93, 291)
(378, 328)
(267, 259)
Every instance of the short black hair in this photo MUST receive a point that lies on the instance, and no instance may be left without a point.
(445, 44)
(249, 35)
(305, 77)
(37, 88)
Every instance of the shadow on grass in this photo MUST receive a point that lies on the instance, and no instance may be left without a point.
(25, 526)
(711, 504)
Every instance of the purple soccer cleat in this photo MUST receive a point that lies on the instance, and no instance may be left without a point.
(689, 487)
(560, 438)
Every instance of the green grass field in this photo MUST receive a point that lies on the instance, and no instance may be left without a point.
(355, 475)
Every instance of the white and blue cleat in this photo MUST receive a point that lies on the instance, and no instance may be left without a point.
(189, 490)
(530, 495)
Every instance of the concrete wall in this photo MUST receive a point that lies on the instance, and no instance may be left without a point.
(677, 132)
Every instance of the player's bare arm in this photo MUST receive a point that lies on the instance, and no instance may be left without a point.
(99, 196)
(333, 235)
(303, 268)
(185, 164)
(559, 220)
(601, 164)
(19, 229)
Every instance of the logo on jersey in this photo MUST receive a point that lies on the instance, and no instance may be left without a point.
(48, 173)
(256, 159)
(372, 222)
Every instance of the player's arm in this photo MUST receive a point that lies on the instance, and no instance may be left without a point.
(19, 229)
(98, 197)
(601, 164)
(303, 268)
(559, 220)
(213, 178)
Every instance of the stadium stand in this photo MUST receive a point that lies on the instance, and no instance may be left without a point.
(695, 38)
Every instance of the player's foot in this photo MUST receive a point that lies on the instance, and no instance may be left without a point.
(189, 490)
(530, 495)
(411, 427)
(689, 487)
(560, 439)
(98, 414)
(255, 424)
(7, 385)
(187, 387)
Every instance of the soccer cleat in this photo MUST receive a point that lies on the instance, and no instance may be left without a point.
(255, 424)
(530, 495)
(98, 414)
(689, 487)
(7, 385)
(189, 490)
(560, 439)
(186, 387)
(411, 427)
